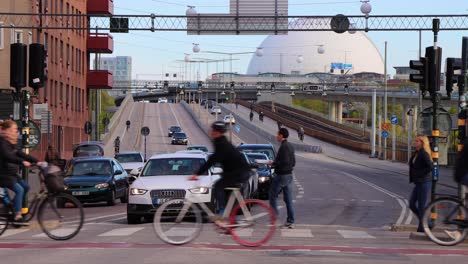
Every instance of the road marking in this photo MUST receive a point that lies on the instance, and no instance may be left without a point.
(104, 216)
(410, 214)
(299, 196)
(376, 201)
(59, 232)
(122, 231)
(354, 234)
(337, 199)
(317, 199)
(12, 232)
(296, 233)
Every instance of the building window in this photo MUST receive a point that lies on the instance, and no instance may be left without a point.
(61, 51)
(29, 37)
(61, 94)
(51, 50)
(67, 94)
(73, 58)
(16, 36)
(67, 54)
(72, 99)
(2, 38)
(56, 51)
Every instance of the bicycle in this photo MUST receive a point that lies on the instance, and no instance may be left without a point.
(60, 215)
(445, 221)
(251, 223)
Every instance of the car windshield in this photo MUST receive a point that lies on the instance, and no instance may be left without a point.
(268, 152)
(88, 150)
(175, 129)
(90, 168)
(180, 135)
(257, 156)
(198, 148)
(172, 166)
(130, 157)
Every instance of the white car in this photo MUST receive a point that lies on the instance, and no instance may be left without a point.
(164, 177)
(130, 160)
(229, 119)
(215, 110)
(162, 100)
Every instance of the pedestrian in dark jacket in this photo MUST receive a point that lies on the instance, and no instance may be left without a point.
(11, 158)
(282, 182)
(420, 167)
(279, 124)
(461, 167)
(52, 156)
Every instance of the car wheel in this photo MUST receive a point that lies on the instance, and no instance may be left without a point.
(124, 199)
(133, 219)
(111, 201)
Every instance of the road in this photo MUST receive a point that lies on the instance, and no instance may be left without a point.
(343, 211)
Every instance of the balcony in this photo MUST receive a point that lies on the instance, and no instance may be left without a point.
(100, 43)
(99, 79)
(100, 7)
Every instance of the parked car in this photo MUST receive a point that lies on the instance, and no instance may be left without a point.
(264, 173)
(164, 177)
(88, 148)
(266, 149)
(198, 147)
(130, 160)
(96, 179)
(215, 110)
(179, 138)
(173, 129)
(229, 119)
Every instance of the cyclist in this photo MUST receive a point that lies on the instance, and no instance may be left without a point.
(117, 145)
(260, 116)
(251, 115)
(235, 167)
(127, 124)
(300, 133)
(11, 158)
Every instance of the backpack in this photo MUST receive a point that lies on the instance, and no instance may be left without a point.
(53, 179)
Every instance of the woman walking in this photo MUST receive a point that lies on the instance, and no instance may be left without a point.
(420, 167)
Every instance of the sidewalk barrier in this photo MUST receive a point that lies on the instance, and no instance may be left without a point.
(116, 118)
(194, 117)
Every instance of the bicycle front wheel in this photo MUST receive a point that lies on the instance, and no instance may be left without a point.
(255, 227)
(442, 220)
(61, 216)
(5, 214)
(176, 222)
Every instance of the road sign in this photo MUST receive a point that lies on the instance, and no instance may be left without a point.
(385, 134)
(385, 126)
(237, 129)
(30, 134)
(88, 128)
(145, 131)
(38, 109)
(46, 122)
(394, 119)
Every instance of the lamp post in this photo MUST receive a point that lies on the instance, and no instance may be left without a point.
(273, 97)
(366, 8)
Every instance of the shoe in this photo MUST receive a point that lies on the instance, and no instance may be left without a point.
(19, 221)
(219, 220)
(455, 235)
(288, 226)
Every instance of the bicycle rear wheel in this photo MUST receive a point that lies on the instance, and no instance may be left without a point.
(441, 221)
(254, 231)
(175, 225)
(61, 216)
(5, 214)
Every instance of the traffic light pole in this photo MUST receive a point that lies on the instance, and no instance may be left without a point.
(462, 114)
(24, 106)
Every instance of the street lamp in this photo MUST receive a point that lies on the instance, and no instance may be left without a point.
(272, 97)
(300, 59)
(352, 28)
(320, 49)
(191, 11)
(196, 47)
(366, 8)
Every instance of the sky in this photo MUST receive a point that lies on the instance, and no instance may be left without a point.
(155, 53)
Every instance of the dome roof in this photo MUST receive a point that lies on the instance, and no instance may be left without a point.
(356, 49)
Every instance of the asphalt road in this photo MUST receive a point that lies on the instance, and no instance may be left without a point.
(343, 214)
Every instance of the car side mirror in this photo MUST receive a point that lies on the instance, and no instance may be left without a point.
(131, 179)
(216, 170)
(134, 172)
(118, 172)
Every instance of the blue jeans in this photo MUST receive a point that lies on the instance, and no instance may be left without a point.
(418, 200)
(278, 184)
(20, 189)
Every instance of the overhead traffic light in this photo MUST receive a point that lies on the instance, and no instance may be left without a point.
(433, 69)
(420, 77)
(37, 66)
(451, 78)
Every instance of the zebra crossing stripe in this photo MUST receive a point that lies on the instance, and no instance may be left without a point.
(354, 234)
(296, 233)
(12, 232)
(122, 231)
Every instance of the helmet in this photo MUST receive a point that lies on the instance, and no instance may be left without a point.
(219, 126)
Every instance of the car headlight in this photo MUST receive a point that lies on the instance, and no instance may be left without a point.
(200, 190)
(101, 185)
(65, 187)
(263, 179)
(136, 191)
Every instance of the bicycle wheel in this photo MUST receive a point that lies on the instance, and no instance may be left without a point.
(254, 231)
(441, 226)
(5, 214)
(61, 216)
(175, 225)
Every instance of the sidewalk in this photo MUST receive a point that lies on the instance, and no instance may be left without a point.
(339, 153)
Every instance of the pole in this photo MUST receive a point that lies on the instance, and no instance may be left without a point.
(393, 132)
(372, 137)
(410, 134)
(216, 112)
(462, 115)
(385, 102)
(25, 132)
(435, 127)
(145, 147)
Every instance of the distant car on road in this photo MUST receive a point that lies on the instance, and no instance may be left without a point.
(173, 129)
(202, 148)
(130, 160)
(88, 148)
(162, 100)
(215, 110)
(264, 173)
(229, 119)
(179, 138)
(266, 149)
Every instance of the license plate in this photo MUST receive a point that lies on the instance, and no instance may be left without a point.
(157, 200)
(80, 193)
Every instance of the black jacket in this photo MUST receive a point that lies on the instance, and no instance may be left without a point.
(420, 169)
(11, 158)
(461, 167)
(285, 160)
(233, 162)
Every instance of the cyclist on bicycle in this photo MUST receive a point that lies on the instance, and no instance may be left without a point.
(11, 158)
(117, 145)
(235, 167)
(127, 124)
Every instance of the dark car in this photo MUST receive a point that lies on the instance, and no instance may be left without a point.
(264, 172)
(96, 179)
(179, 138)
(173, 129)
(202, 148)
(88, 148)
(266, 149)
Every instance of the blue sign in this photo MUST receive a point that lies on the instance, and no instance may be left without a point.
(347, 66)
(237, 129)
(385, 134)
(337, 66)
(394, 119)
(435, 173)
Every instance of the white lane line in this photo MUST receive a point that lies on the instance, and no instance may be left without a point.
(122, 231)
(410, 214)
(160, 127)
(299, 196)
(301, 192)
(59, 232)
(337, 199)
(101, 217)
(376, 201)
(354, 234)
(317, 199)
(12, 232)
(400, 200)
(296, 233)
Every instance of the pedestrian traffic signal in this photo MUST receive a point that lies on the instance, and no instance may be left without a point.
(37, 65)
(421, 76)
(451, 78)
(433, 66)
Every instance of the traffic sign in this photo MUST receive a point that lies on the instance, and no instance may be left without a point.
(88, 128)
(394, 119)
(385, 134)
(46, 122)
(145, 131)
(30, 134)
(237, 129)
(385, 126)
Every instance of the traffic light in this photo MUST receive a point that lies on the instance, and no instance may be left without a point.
(451, 77)
(420, 77)
(433, 67)
(37, 65)
(166, 84)
(233, 84)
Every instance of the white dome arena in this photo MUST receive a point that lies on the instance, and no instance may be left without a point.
(356, 49)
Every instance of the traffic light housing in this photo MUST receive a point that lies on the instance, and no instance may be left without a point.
(421, 77)
(451, 78)
(433, 69)
(37, 66)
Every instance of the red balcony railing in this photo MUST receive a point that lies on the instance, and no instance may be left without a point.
(100, 43)
(101, 7)
(99, 79)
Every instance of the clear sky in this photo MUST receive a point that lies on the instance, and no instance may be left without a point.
(158, 52)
